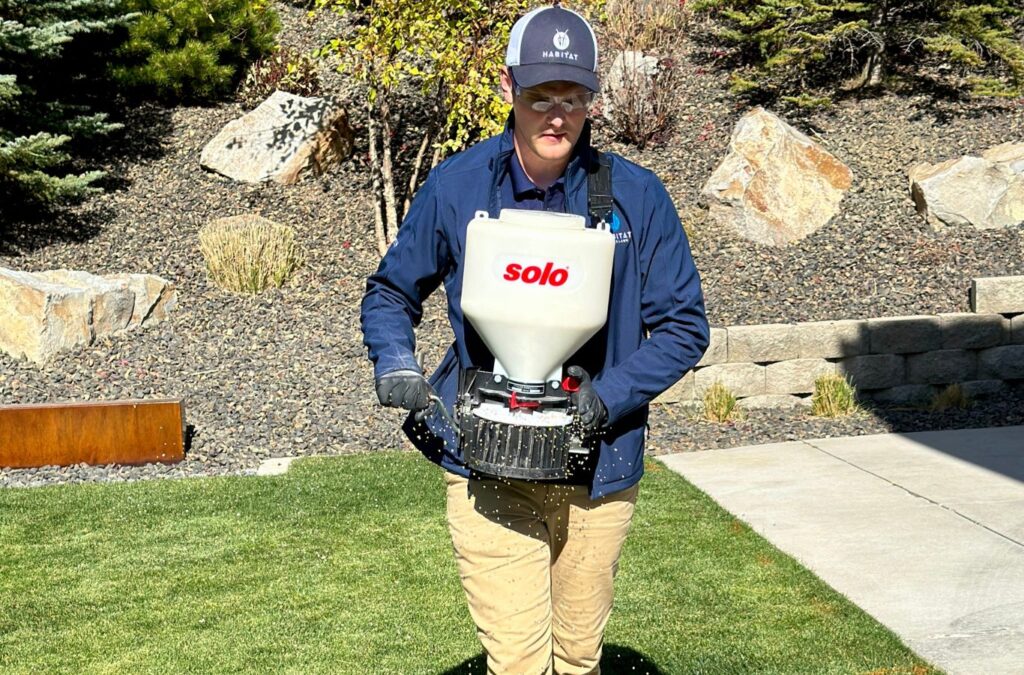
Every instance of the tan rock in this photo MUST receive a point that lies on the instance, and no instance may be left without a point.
(39, 318)
(154, 297)
(776, 185)
(44, 313)
(284, 138)
(984, 192)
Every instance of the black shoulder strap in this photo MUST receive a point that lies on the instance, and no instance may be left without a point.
(599, 191)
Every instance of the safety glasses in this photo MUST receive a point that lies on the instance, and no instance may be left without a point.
(542, 103)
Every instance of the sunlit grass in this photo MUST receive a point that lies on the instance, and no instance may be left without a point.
(344, 565)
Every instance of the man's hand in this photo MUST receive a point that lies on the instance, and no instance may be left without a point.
(404, 389)
(591, 408)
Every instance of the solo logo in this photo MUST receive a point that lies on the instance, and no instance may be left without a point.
(549, 275)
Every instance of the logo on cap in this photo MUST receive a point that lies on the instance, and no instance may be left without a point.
(561, 40)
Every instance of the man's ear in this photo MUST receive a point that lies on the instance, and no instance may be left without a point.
(506, 85)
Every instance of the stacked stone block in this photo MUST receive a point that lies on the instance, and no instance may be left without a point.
(896, 359)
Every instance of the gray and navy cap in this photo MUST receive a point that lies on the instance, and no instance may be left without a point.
(551, 44)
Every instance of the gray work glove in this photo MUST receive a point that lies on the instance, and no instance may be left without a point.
(404, 389)
(589, 405)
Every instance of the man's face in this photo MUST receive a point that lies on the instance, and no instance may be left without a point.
(549, 136)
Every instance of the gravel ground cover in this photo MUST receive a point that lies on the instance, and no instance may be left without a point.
(285, 374)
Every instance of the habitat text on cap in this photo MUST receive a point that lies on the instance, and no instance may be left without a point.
(552, 44)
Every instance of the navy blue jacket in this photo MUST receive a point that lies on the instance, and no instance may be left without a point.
(656, 329)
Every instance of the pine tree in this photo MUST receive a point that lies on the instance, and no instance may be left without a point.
(804, 51)
(41, 111)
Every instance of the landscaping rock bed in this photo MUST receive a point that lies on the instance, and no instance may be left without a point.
(285, 373)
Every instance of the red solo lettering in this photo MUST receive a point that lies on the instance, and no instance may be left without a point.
(549, 275)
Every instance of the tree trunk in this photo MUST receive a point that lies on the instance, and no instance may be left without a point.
(391, 219)
(379, 228)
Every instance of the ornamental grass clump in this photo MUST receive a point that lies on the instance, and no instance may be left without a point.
(834, 396)
(952, 397)
(248, 254)
(719, 404)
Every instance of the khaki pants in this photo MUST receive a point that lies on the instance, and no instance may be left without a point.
(537, 563)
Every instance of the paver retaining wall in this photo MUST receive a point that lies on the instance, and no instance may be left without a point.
(897, 359)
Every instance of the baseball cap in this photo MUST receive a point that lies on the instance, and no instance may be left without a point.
(550, 44)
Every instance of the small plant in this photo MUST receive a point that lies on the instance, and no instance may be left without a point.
(645, 77)
(719, 403)
(286, 70)
(834, 396)
(248, 254)
(952, 397)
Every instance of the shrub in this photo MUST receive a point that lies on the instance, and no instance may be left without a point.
(453, 49)
(805, 51)
(286, 70)
(47, 96)
(719, 403)
(193, 49)
(834, 396)
(643, 80)
(951, 397)
(248, 254)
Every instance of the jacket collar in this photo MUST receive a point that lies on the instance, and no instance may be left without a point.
(581, 163)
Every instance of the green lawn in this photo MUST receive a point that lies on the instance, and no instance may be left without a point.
(344, 565)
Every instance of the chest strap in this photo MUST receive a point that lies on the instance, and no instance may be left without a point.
(599, 192)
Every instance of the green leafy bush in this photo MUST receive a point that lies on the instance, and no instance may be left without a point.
(805, 51)
(193, 49)
(286, 69)
(46, 92)
(453, 50)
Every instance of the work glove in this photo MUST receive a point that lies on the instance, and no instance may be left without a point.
(589, 406)
(404, 389)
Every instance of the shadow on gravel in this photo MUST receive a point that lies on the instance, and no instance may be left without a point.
(26, 229)
(23, 231)
(615, 660)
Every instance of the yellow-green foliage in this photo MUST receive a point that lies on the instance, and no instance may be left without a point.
(719, 403)
(248, 255)
(834, 396)
(453, 47)
(952, 396)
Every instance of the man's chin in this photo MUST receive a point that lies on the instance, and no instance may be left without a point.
(553, 151)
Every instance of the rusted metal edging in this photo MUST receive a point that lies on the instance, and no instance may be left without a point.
(103, 432)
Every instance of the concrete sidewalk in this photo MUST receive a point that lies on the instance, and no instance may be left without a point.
(924, 531)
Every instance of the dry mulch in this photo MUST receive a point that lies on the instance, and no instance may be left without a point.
(285, 373)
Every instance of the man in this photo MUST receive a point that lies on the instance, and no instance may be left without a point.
(537, 559)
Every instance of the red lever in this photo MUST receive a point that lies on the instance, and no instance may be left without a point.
(570, 384)
(514, 403)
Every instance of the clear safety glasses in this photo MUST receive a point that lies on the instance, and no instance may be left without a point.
(543, 103)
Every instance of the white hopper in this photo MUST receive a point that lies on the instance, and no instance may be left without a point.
(535, 287)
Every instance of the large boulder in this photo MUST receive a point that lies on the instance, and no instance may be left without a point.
(284, 138)
(984, 192)
(44, 313)
(776, 185)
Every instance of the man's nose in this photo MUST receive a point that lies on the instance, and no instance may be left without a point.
(556, 116)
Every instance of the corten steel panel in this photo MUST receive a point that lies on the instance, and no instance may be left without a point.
(112, 432)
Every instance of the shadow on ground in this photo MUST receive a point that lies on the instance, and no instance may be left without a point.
(615, 660)
(27, 228)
